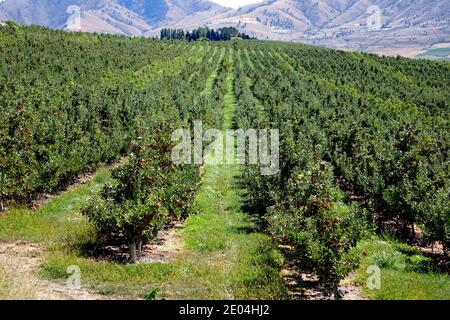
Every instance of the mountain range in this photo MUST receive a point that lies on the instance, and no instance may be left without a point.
(405, 27)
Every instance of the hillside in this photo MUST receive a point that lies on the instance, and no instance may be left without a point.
(128, 17)
(407, 27)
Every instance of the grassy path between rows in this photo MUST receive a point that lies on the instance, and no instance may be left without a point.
(28, 237)
(224, 256)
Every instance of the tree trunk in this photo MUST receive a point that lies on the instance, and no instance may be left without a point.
(337, 293)
(2, 207)
(413, 232)
(132, 251)
(139, 248)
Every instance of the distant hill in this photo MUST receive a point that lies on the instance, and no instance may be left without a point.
(406, 27)
(130, 17)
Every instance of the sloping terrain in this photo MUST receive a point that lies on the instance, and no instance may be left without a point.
(407, 27)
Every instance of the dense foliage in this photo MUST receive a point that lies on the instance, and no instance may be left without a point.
(221, 34)
(68, 102)
(72, 101)
(149, 189)
(376, 128)
(364, 139)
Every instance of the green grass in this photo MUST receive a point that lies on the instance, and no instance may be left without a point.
(132, 280)
(55, 219)
(224, 257)
(405, 274)
(229, 102)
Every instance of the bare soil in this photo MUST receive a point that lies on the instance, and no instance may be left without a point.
(162, 249)
(165, 247)
(19, 263)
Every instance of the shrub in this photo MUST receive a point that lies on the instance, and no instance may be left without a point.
(390, 259)
(418, 263)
